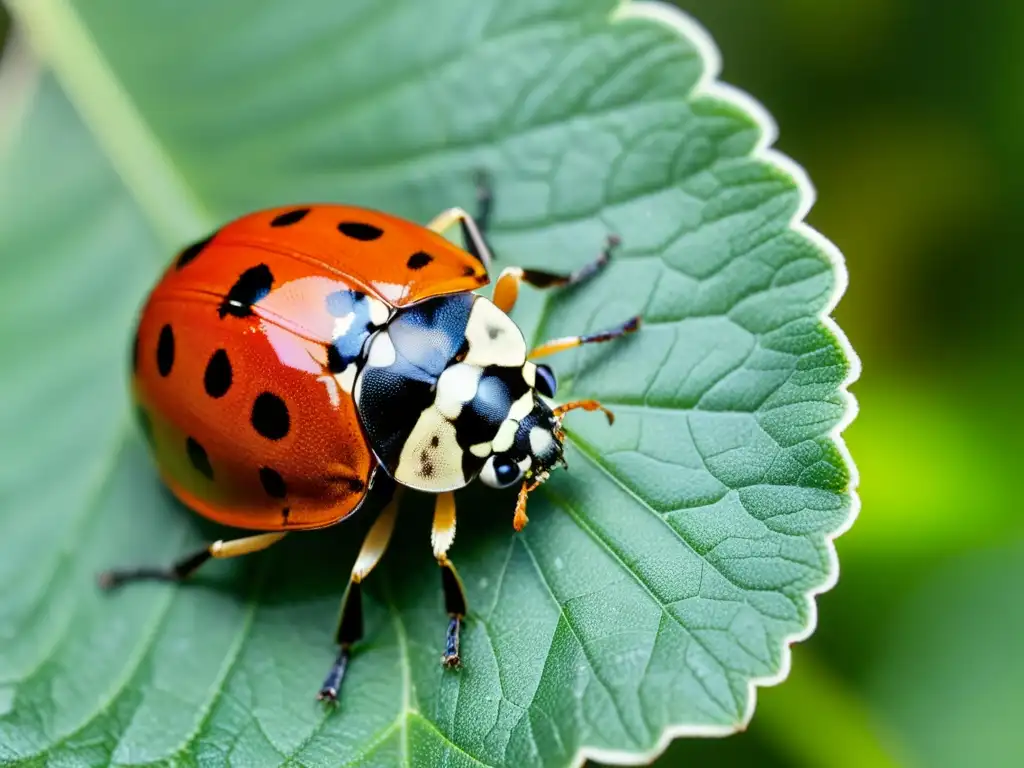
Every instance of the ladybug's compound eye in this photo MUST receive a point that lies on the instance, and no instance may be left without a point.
(500, 472)
(546, 383)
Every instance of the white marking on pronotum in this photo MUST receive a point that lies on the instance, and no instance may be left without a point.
(530, 374)
(379, 312)
(428, 467)
(382, 351)
(521, 408)
(506, 434)
(540, 441)
(456, 386)
(493, 338)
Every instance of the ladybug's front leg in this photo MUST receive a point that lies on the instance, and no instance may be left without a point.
(442, 534)
(350, 623)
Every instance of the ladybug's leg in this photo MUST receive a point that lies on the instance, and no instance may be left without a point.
(350, 624)
(473, 229)
(190, 564)
(568, 342)
(442, 534)
(506, 289)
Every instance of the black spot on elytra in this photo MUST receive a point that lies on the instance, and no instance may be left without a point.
(165, 351)
(270, 416)
(273, 483)
(356, 485)
(252, 285)
(289, 218)
(189, 254)
(217, 378)
(358, 230)
(197, 455)
(435, 441)
(284, 515)
(468, 271)
(419, 260)
(335, 362)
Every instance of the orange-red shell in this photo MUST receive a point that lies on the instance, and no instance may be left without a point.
(310, 465)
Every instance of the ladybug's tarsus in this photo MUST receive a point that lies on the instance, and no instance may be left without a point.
(332, 683)
(450, 658)
(442, 534)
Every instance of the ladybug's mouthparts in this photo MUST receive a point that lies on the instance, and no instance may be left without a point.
(520, 519)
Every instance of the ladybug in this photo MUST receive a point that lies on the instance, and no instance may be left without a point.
(305, 359)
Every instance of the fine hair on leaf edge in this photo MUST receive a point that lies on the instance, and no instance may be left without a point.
(709, 85)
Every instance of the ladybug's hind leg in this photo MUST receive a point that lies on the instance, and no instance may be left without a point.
(190, 564)
(442, 535)
(350, 623)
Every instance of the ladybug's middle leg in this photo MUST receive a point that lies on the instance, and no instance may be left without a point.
(442, 534)
(350, 623)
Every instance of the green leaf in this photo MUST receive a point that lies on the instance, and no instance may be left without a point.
(660, 579)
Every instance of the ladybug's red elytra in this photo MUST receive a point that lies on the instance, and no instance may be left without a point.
(304, 359)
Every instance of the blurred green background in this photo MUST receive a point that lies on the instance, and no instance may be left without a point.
(907, 115)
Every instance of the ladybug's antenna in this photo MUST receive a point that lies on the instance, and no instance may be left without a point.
(586, 405)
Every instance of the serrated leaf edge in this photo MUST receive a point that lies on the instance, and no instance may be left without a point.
(709, 85)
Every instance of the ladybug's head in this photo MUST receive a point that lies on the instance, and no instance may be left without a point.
(528, 453)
